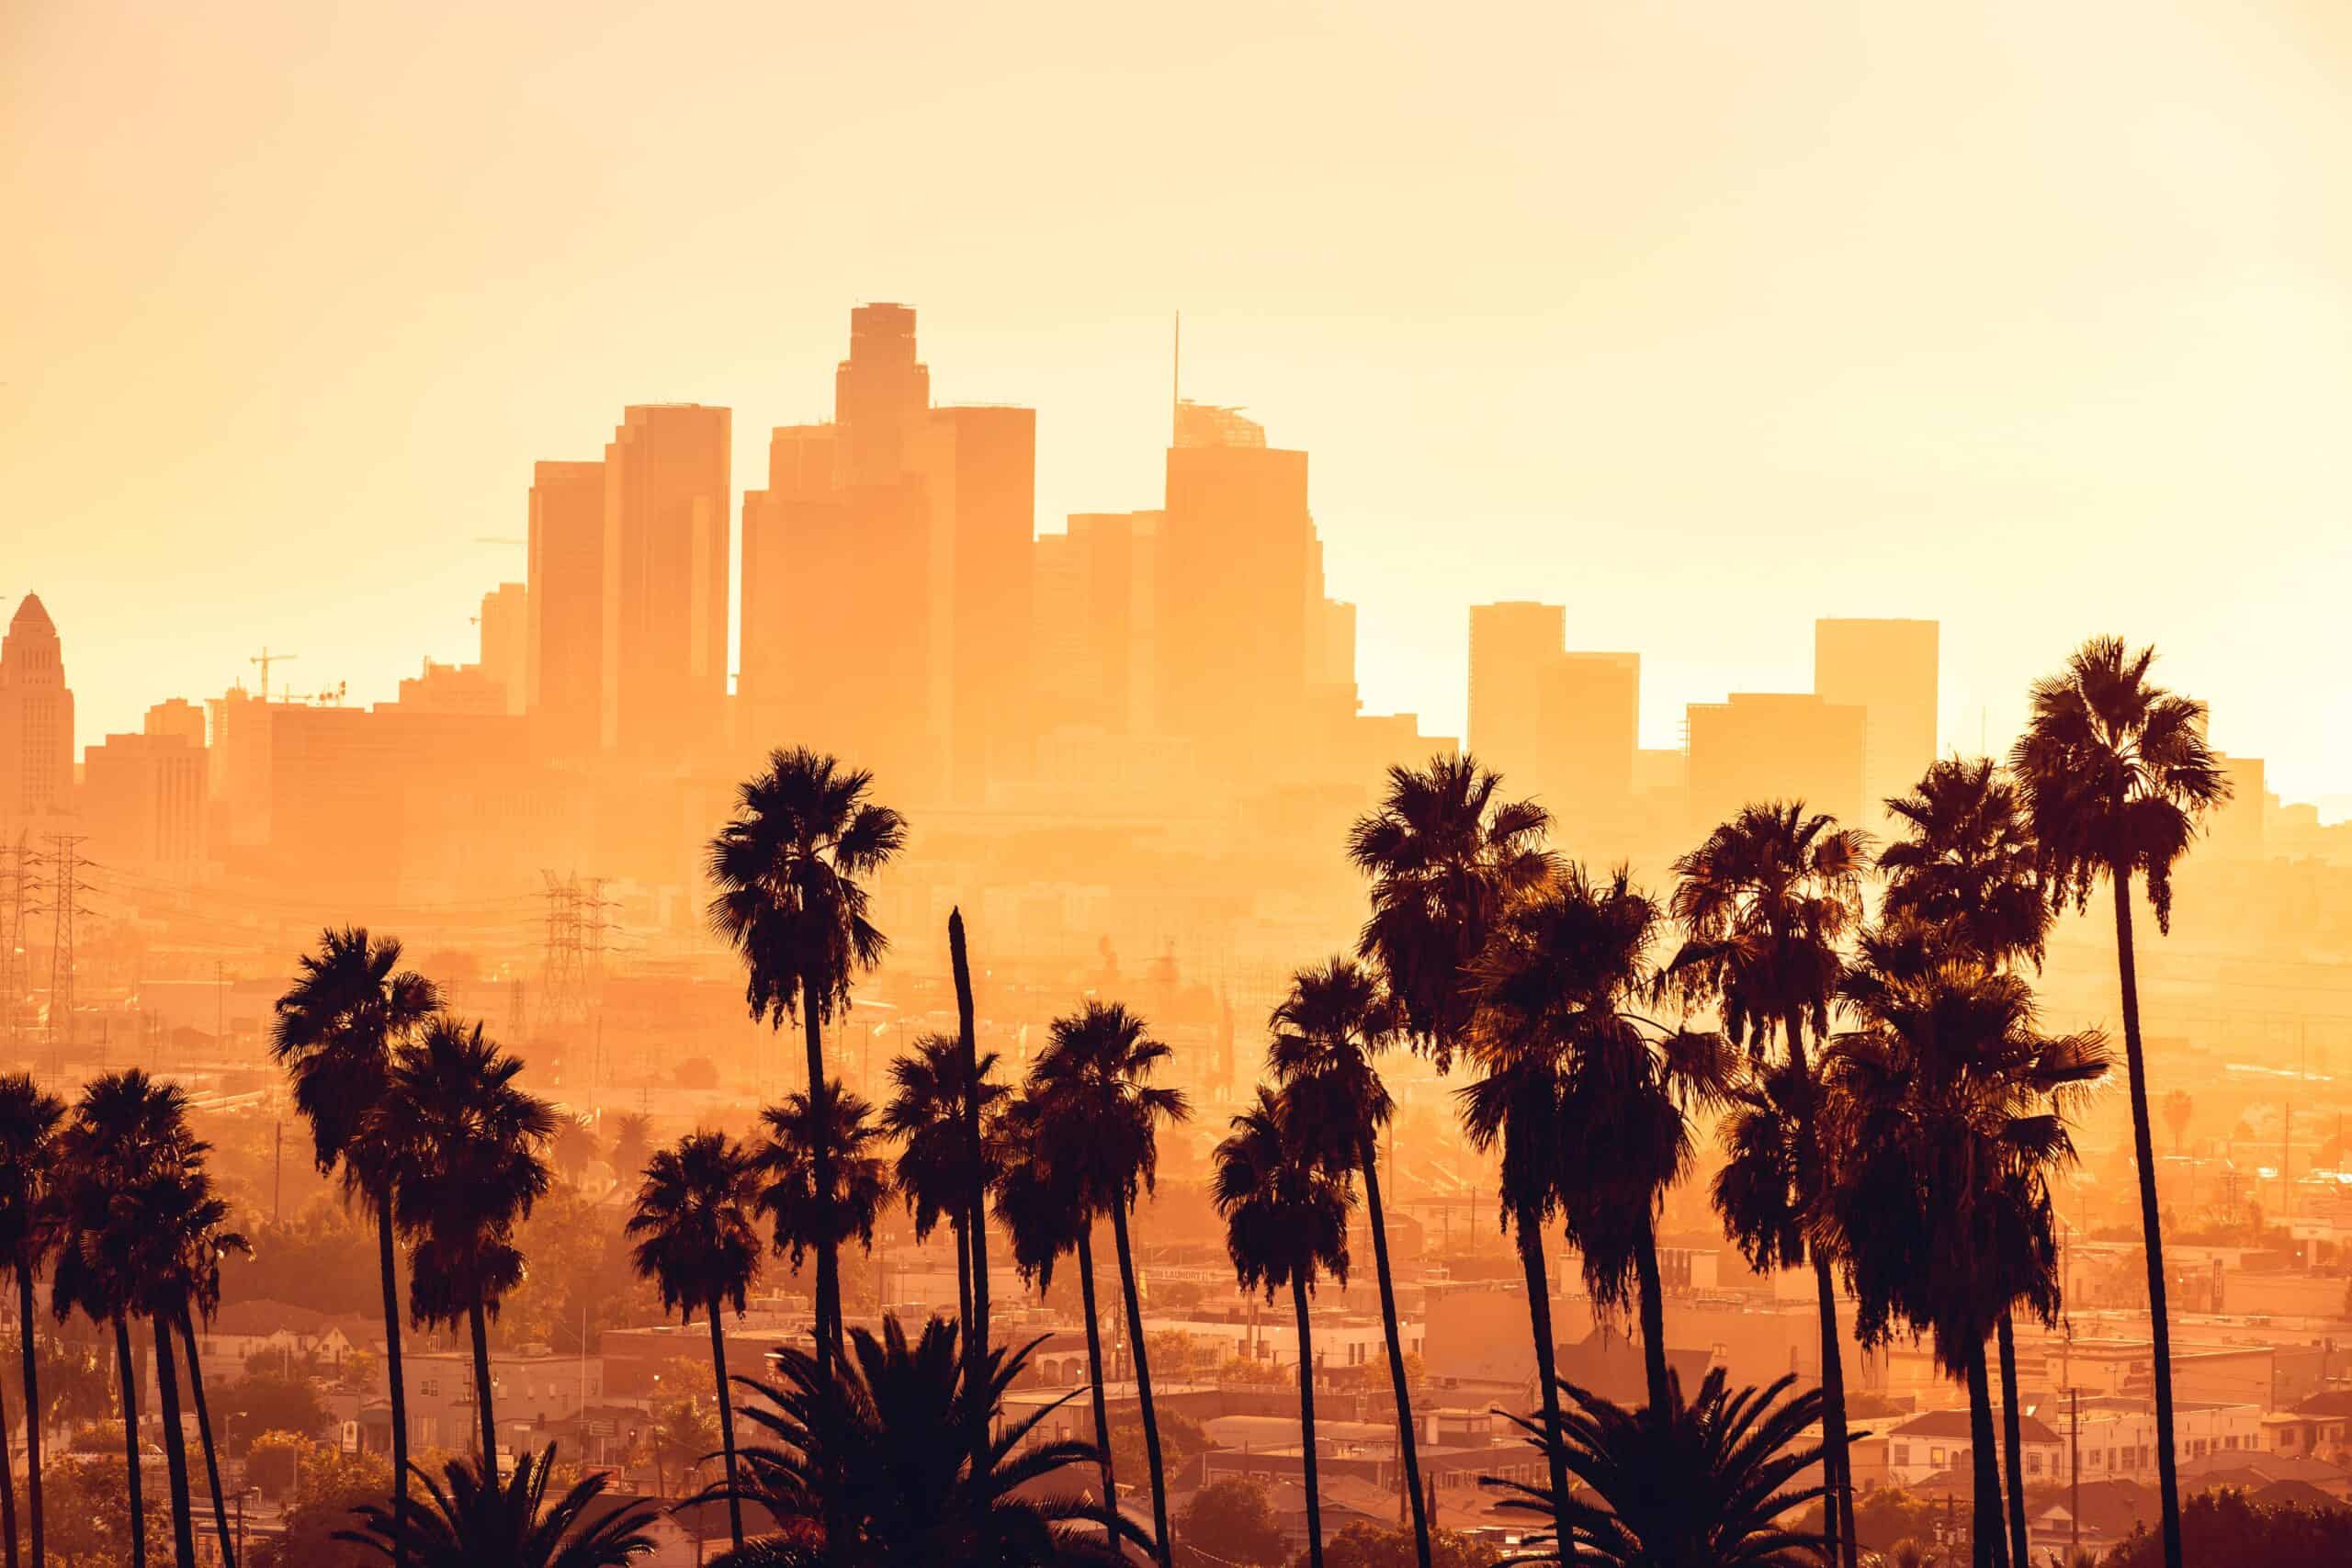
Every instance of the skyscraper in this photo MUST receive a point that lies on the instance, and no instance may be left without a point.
(1516, 647)
(1096, 601)
(979, 473)
(1589, 716)
(505, 625)
(1887, 669)
(35, 718)
(143, 800)
(799, 566)
(881, 394)
(667, 506)
(564, 607)
(1757, 747)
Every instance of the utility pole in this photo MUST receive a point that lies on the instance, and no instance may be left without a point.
(277, 1169)
(2073, 1469)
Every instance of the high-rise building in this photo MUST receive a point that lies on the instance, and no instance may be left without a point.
(1888, 670)
(881, 394)
(978, 466)
(176, 716)
(505, 623)
(1758, 747)
(1095, 608)
(2235, 827)
(143, 800)
(1515, 652)
(668, 517)
(564, 607)
(1589, 718)
(35, 718)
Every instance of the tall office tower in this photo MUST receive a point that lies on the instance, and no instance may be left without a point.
(1331, 653)
(799, 559)
(1590, 716)
(881, 393)
(564, 607)
(2235, 827)
(1515, 653)
(176, 715)
(1236, 573)
(1758, 747)
(667, 520)
(1888, 670)
(36, 718)
(237, 765)
(1096, 599)
(979, 473)
(505, 623)
(143, 800)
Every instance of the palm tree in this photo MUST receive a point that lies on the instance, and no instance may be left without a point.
(475, 1519)
(2116, 774)
(875, 1453)
(935, 1169)
(350, 1009)
(697, 1244)
(1095, 1074)
(1943, 1106)
(467, 1163)
(975, 1313)
(1285, 1210)
(1326, 1033)
(1555, 989)
(1044, 1215)
(126, 1129)
(632, 1146)
(787, 868)
(1765, 903)
(207, 1245)
(1671, 1483)
(30, 1118)
(820, 1181)
(1444, 856)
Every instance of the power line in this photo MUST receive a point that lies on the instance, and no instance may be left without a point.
(16, 947)
(68, 862)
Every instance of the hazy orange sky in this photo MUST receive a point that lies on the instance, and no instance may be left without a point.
(1704, 319)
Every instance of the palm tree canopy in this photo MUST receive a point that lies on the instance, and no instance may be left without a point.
(786, 1167)
(1770, 1164)
(1691, 1485)
(467, 1157)
(632, 1142)
(881, 1453)
(692, 1224)
(472, 1519)
(1094, 1074)
(1286, 1208)
(178, 1229)
(1967, 860)
(128, 1130)
(1039, 1202)
(1445, 857)
(2115, 773)
(1765, 902)
(336, 1032)
(926, 1114)
(1326, 1033)
(787, 869)
(29, 1120)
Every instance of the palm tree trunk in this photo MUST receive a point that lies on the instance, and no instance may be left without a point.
(1407, 1456)
(1165, 1548)
(963, 1270)
(204, 1432)
(1307, 1418)
(1653, 1301)
(829, 1289)
(2151, 1221)
(2012, 1439)
(726, 1422)
(1991, 1547)
(1094, 1370)
(975, 1324)
(167, 1389)
(480, 1322)
(387, 1265)
(8, 1480)
(1539, 1310)
(32, 1414)
(131, 1439)
(1833, 1409)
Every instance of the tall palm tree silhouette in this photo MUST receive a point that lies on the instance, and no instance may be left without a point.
(29, 1120)
(1044, 1212)
(468, 1161)
(1943, 1106)
(1766, 904)
(1095, 1076)
(935, 1169)
(2116, 772)
(821, 1180)
(180, 1228)
(1445, 856)
(336, 1031)
(207, 1244)
(1965, 865)
(126, 1129)
(1326, 1033)
(789, 869)
(1556, 985)
(696, 1242)
(1285, 1209)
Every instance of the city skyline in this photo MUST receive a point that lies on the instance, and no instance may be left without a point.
(2130, 340)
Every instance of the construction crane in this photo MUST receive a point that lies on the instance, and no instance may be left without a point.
(265, 659)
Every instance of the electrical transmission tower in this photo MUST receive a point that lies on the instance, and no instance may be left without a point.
(66, 887)
(15, 937)
(564, 960)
